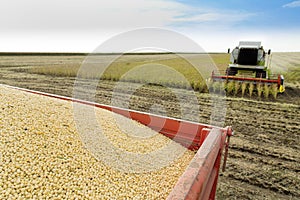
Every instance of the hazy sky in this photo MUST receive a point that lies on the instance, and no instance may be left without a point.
(82, 25)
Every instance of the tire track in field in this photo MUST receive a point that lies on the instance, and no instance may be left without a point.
(264, 151)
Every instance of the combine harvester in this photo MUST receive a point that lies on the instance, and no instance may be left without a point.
(199, 181)
(249, 69)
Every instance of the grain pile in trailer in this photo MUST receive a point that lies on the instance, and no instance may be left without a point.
(42, 154)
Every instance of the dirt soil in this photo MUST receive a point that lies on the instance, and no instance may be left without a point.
(264, 159)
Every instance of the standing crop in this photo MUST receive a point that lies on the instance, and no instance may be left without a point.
(209, 83)
(237, 86)
(196, 86)
(222, 88)
(266, 90)
(202, 87)
(216, 87)
(251, 88)
(259, 88)
(230, 87)
(192, 83)
(274, 90)
(244, 86)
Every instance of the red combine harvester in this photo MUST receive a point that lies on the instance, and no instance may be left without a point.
(199, 181)
(249, 63)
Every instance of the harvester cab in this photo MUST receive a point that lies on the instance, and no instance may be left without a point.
(251, 64)
(248, 59)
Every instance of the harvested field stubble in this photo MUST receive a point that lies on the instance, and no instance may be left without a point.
(43, 156)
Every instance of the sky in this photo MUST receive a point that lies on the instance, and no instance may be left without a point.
(82, 25)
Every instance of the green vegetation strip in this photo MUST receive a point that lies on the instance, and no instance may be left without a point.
(123, 65)
(121, 70)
